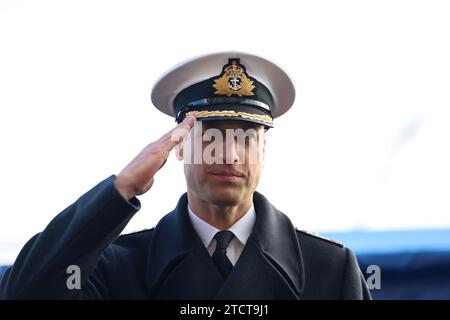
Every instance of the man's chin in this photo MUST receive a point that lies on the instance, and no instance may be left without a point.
(226, 198)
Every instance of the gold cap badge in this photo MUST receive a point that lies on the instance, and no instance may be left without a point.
(234, 81)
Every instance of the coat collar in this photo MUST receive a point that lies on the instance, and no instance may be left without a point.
(179, 266)
(241, 229)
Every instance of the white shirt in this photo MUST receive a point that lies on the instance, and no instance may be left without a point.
(241, 229)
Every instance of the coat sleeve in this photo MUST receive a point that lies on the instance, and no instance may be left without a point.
(75, 238)
(354, 285)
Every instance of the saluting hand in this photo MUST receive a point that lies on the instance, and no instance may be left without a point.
(137, 177)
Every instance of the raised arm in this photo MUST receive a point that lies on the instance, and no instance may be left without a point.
(76, 238)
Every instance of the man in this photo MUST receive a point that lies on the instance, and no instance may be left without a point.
(224, 240)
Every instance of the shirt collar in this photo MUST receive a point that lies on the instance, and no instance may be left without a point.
(241, 229)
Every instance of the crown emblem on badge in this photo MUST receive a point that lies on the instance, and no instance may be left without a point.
(234, 81)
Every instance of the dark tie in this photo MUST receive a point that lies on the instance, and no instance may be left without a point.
(223, 239)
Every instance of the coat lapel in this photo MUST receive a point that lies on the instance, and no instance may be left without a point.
(179, 266)
(270, 266)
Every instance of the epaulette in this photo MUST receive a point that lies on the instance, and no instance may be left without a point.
(316, 235)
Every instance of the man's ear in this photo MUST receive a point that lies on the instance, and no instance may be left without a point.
(179, 151)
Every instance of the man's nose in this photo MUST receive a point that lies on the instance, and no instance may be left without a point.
(231, 151)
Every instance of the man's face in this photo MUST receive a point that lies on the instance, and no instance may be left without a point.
(223, 161)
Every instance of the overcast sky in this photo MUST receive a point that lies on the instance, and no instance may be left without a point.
(365, 146)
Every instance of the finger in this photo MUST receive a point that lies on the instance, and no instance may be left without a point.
(176, 135)
(167, 136)
(187, 123)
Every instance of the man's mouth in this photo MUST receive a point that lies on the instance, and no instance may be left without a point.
(227, 175)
